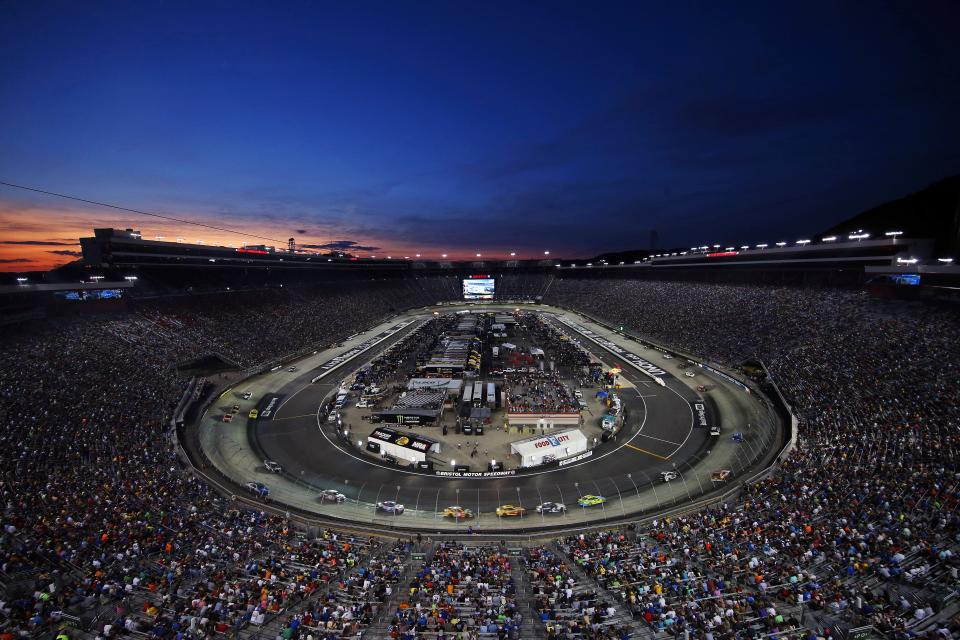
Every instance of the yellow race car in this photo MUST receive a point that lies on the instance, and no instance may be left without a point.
(506, 510)
(457, 513)
(253, 414)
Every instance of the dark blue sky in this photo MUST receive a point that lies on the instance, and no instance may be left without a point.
(477, 126)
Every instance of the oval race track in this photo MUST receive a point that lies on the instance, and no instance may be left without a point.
(659, 435)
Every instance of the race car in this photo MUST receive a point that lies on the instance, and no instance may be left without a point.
(389, 506)
(332, 495)
(508, 510)
(720, 476)
(667, 476)
(236, 408)
(689, 374)
(253, 414)
(246, 395)
(272, 467)
(291, 369)
(457, 513)
(701, 388)
(590, 500)
(667, 356)
(259, 488)
(552, 507)
(227, 417)
(737, 437)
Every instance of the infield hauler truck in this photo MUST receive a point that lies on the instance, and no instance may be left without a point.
(342, 396)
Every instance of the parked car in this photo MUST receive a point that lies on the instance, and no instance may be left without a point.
(389, 506)
(332, 495)
(272, 467)
(259, 488)
(551, 507)
(590, 500)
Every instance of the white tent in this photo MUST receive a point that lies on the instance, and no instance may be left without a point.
(557, 446)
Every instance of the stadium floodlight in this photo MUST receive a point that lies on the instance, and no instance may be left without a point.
(546, 253)
(478, 255)
(907, 261)
(21, 280)
(730, 249)
(781, 244)
(803, 242)
(858, 236)
(829, 238)
(130, 278)
(406, 257)
(621, 262)
(762, 246)
(513, 254)
(418, 255)
(96, 277)
(373, 257)
(389, 257)
(893, 234)
(359, 443)
(716, 246)
(693, 248)
(453, 463)
(443, 255)
(945, 260)
(744, 246)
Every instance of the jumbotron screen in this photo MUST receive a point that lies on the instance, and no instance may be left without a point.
(478, 288)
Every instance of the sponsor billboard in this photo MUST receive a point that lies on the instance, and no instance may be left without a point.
(400, 439)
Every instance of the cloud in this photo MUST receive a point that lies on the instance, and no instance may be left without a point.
(341, 245)
(14, 260)
(41, 243)
(67, 252)
(300, 231)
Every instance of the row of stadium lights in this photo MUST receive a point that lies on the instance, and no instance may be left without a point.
(859, 235)
(513, 254)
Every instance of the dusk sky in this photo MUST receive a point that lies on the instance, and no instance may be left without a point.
(454, 127)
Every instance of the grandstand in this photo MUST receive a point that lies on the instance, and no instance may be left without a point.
(110, 531)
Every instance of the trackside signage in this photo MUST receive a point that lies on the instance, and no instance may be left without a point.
(268, 406)
(475, 474)
(700, 418)
(639, 363)
(582, 456)
(336, 361)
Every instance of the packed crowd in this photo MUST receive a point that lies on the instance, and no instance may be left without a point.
(567, 607)
(466, 592)
(861, 520)
(101, 526)
(539, 392)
